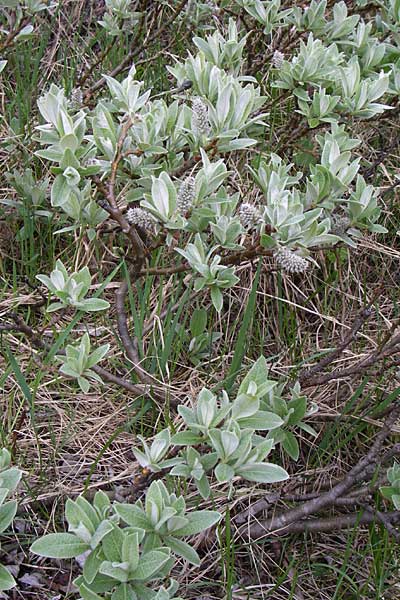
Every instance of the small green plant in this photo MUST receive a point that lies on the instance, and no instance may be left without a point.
(210, 272)
(292, 413)
(129, 548)
(118, 17)
(70, 290)
(152, 456)
(9, 479)
(78, 362)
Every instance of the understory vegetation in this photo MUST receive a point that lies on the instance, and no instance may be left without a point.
(199, 299)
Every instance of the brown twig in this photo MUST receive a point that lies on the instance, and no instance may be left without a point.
(335, 523)
(124, 334)
(112, 206)
(357, 474)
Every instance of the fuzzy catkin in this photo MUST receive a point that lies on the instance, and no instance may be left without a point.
(278, 59)
(200, 122)
(290, 261)
(186, 195)
(249, 215)
(141, 218)
(340, 224)
(76, 97)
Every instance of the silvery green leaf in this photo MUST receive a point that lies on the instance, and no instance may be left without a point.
(7, 581)
(103, 529)
(112, 544)
(236, 144)
(277, 435)
(198, 521)
(10, 478)
(5, 459)
(7, 514)
(101, 503)
(224, 472)
(245, 406)
(176, 522)
(143, 459)
(60, 191)
(308, 429)
(124, 592)
(262, 472)
(88, 510)
(93, 304)
(259, 374)
(133, 516)
(167, 513)
(155, 499)
(59, 545)
(162, 202)
(217, 298)
(261, 421)
(130, 550)
(91, 567)
(72, 177)
(97, 355)
(112, 570)
(25, 32)
(78, 521)
(290, 445)
(186, 438)
(46, 281)
(101, 584)
(84, 384)
(69, 160)
(262, 447)
(70, 142)
(299, 406)
(55, 306)
(160, 445)
(3, 494)
(150, 563)
(228, 441)
(180, 470)
(396, 501)
(204, 487)
(183, 549)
